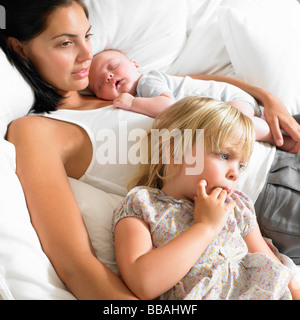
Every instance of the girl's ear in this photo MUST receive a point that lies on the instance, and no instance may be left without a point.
(17, 46)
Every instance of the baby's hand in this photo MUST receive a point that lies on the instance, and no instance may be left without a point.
(211, 209)
(124, 101)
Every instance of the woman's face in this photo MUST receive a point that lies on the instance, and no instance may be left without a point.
(62, 52)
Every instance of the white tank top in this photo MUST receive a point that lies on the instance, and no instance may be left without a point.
(115, 137)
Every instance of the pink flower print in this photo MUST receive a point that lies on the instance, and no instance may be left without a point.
(167, 234)
(271, 283)
(200, 260)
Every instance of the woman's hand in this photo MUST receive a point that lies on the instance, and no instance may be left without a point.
(211, 209)
(279, 119)
(275, 112)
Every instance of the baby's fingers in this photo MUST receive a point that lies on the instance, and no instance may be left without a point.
(117, 103)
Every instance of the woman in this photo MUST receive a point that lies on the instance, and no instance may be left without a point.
(55, 58)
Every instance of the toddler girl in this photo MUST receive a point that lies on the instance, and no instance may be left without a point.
(188, 234)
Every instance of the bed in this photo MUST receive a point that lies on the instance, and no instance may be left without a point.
(254, 40)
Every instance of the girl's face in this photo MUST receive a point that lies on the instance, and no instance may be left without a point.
(220, 170)
(62, 52)
(112, 73)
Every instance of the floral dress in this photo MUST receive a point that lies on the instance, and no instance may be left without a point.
(225, 270)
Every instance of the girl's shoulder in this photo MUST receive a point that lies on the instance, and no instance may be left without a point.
(244, 212)
(140, 202)
(142, 196)
(142, 191)
(242, 200)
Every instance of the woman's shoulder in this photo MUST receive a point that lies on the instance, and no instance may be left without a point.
(29, 126)
(40, 135)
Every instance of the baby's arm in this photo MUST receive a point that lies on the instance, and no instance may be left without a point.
(149, 272)
(275, 112)
(148, 106)
(256, 243)
(262, 129)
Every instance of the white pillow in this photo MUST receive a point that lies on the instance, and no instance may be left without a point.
(25, 271)
(152, 32)
(204, 51)
(16, 96)
(264, 48)
(97, 208)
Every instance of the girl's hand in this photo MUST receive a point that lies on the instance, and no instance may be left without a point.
(211, 209)
(124, 101)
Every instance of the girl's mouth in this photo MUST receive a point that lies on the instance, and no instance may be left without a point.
(228, 190)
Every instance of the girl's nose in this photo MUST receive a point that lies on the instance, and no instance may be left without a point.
(233, 173)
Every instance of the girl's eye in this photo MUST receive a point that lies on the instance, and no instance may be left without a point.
(242, 166)
(223, 156)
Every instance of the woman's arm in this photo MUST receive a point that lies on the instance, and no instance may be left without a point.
(42, 151)
(274, 111)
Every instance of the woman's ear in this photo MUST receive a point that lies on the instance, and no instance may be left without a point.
(17, 46)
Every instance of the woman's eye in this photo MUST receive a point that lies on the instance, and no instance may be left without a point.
(88, 36)
(66, 44)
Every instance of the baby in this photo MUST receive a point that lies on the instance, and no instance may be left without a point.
(113, 76)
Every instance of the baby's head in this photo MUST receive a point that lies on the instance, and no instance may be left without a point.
(113, 73)
(224, 127)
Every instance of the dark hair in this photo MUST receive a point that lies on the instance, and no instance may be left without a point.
(26, 19)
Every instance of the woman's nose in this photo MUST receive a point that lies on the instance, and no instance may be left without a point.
(85, 52)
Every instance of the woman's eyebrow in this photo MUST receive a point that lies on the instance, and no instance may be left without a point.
(69, 34)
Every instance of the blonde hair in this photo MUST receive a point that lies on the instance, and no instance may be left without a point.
(223, 125)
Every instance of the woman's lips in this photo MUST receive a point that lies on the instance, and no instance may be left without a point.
(81, 73)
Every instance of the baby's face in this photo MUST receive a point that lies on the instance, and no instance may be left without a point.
(111, 74)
